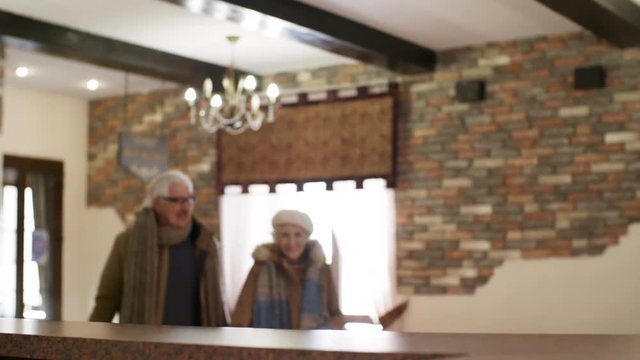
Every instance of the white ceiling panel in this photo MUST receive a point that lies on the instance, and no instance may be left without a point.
(446, 24)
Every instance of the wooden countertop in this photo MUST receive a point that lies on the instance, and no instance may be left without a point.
(49, 339)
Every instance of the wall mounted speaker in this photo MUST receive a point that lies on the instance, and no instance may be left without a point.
(467, 91)
(590, 77)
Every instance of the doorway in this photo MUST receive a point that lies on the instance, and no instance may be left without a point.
(31, 238)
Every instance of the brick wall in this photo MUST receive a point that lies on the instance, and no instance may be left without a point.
(191, 149)
(536, 170)
(163, 112)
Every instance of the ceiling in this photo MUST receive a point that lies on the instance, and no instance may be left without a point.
(57, 74)
(181, 28)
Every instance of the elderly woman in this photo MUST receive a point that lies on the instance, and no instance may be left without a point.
(290, 285)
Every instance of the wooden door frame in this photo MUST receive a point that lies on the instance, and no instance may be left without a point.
(51, 167)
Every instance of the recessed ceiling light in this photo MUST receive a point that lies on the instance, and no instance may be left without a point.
(93, 84)
(22, 71)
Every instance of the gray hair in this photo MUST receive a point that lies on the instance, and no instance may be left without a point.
(159, 185)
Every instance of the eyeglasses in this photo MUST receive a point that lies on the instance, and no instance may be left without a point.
(179, 199)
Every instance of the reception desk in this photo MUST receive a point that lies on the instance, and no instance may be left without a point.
(35, 339)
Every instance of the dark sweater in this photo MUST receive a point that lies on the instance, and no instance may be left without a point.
(182, 305)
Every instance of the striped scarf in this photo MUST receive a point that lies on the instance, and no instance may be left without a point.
(272, 309)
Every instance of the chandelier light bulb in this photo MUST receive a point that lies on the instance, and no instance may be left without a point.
(22, 71)
(273, 92)
(250, 83)
(190, 96)
(207, 87)
(93, 84)
(216, 101)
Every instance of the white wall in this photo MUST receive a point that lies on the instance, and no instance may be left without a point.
(51, 126)
(598, 294)
(103, 224)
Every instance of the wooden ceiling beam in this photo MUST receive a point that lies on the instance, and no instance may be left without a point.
(616, 21)
(26, 33)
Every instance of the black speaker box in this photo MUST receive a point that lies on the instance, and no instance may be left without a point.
(467, 91)
(590, 77)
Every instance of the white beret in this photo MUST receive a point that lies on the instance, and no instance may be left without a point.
(293, 217)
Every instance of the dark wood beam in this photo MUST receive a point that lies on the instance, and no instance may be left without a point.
(322, 29)
(27, 33)
(617, 21)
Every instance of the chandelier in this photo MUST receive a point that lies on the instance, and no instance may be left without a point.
(239, 108)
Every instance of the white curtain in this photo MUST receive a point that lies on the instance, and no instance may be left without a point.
(361, 221)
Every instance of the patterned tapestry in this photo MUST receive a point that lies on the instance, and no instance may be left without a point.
(345, 139)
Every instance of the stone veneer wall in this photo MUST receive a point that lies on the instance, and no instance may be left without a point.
(536, 170)
(191, 149)
(161, 112)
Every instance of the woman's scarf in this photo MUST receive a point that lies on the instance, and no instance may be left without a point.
(272, 309)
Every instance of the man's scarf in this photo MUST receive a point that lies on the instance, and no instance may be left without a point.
(271, 308)
(146, 262)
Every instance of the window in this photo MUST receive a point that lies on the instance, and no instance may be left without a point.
(356, 228)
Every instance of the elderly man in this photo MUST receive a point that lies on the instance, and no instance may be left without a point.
(164, 268)
(290, 286)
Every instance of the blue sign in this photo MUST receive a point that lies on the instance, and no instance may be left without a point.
(144, 155)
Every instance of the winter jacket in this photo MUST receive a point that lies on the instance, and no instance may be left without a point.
(294, 276)
(109, 297)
